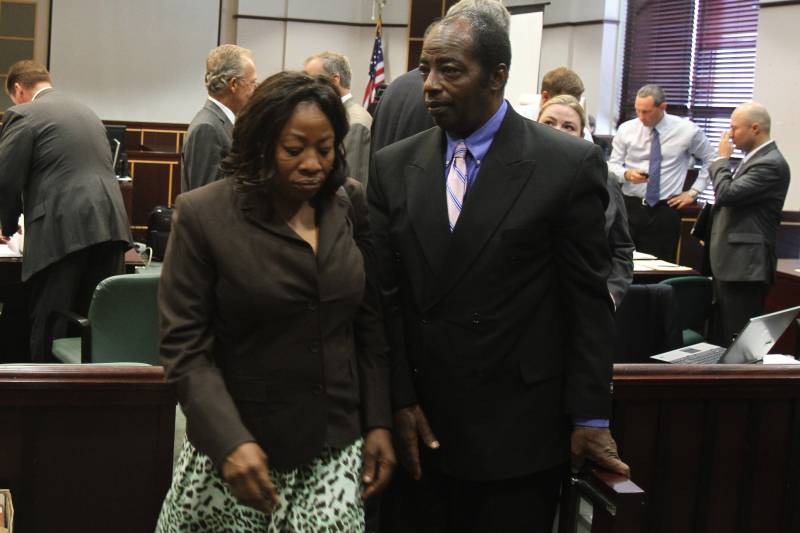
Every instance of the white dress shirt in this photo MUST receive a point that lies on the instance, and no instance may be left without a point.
(228, 113)
(681, 143)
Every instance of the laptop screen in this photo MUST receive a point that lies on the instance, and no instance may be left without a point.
(759, 336)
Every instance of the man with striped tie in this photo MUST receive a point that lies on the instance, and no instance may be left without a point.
(492, 260)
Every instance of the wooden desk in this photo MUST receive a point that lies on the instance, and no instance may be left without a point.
(785, 293)
(655, 276)
(715, 447)
(86, 448)
(14, 316)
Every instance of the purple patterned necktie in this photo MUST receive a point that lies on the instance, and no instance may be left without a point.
(456, 183)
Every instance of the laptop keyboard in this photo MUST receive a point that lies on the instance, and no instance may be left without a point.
(712, 355)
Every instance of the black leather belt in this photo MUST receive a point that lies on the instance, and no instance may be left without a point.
(644, 202)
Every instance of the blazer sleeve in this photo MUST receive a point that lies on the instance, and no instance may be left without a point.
(202, 154)
(371, 348)
(762, 180)
(583, 259)
(186, 306)
(621, 245)
(402, 387)
(357, 149)
(16, 154)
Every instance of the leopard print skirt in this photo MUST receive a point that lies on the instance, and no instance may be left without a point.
(321, 497)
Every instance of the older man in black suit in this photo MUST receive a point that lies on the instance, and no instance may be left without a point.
(493, 263)
(746, 217)
(230, 81)
(55, 165)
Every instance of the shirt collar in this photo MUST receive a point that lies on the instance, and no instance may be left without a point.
(751, 153)
(480, 140)
(347, 97)
(228, 113)
(37, 93)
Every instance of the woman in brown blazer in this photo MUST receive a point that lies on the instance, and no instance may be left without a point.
(271, 332)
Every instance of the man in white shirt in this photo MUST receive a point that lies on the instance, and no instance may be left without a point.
(651, 154)
(336, 67)
(230, 81)
(747, 214)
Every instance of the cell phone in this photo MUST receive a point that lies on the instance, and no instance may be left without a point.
(644, 173)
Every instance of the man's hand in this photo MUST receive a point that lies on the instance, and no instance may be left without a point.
(597, 445)
(379, 461)
(682, 200)
(635, 176)
(725, 148)
(411, 426)
(246, 472)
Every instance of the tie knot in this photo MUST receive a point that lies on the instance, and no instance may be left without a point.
(655, 133)
(460, 150)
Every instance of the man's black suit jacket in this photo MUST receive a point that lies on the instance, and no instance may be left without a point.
(503, 329)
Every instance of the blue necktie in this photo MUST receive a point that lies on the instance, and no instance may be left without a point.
(653, 194)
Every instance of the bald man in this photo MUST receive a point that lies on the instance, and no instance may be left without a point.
(746, 217)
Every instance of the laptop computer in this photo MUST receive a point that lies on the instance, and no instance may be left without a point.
(750, 346)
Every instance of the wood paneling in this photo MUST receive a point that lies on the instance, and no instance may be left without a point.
(155, 167)
(714, 446)
(86, 448)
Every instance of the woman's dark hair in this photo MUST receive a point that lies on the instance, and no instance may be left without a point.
(251, 160)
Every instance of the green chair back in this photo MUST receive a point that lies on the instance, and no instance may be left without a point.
(124, 322)
(694, 296)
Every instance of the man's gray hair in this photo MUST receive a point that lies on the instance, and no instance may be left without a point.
(493, 8)
(335, 64)
(223, 64)
(653, 90)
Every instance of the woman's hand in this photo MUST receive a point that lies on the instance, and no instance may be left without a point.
(379, 461)
(246, 472)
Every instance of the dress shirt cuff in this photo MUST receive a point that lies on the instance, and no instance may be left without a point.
(591, 422)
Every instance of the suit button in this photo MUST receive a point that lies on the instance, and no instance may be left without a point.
(318, 389)
(424, 321)
(313, 347)
(476, 319)
(415, 371)
(312, 306)
(397, 257)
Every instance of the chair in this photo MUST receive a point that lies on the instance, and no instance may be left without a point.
(599, 501)
(646, 323)
(694, 297)
(122, 325)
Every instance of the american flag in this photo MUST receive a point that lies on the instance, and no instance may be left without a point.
(376, 76)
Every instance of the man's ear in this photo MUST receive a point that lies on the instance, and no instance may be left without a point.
(499, 77)
(545, 95)
(662, 106)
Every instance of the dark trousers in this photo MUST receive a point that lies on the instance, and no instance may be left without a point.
(655, 230)
(441, 504)
(68, 284)
(735, 303)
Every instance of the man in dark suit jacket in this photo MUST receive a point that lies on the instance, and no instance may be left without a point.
(230, 81)
(401, 112)
(746, 217)
(55, 165)
(498, 316)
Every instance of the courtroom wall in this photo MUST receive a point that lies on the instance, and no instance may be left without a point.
(777, 83)
(283, 34)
